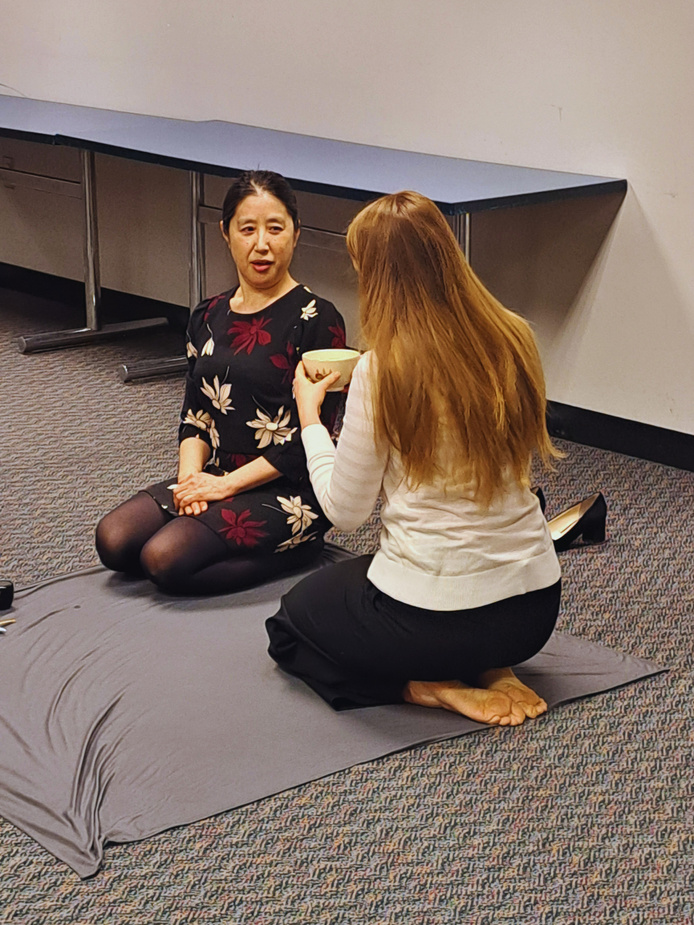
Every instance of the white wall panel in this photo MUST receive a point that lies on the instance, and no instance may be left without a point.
(594, 86)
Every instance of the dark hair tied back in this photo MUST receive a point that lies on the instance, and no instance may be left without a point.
(254, 182)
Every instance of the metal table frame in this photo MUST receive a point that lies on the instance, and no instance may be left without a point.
(94, 329)
(340, 169)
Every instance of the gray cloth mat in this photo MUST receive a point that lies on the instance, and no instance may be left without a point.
(124, 712)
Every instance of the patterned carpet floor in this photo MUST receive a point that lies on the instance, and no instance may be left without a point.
(584, 816)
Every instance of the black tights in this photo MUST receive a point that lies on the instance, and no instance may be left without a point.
(181, 555)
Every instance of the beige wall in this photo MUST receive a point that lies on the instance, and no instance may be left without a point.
(593, 86)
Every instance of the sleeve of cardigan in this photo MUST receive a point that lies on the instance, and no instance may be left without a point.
(347, 479)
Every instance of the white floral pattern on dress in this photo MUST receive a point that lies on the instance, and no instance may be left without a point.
(300, 515)
(219, 395)
(200, 419)
(190, 350)
(214, 435)
(272, 430)
(294, 541)
(208, 348)
(309, 311)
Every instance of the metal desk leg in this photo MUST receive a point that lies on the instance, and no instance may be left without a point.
(196, 273)
(462, 229)
(196, 259)
(94, 330)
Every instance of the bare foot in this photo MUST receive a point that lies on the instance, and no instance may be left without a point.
(484, 706)
(505, 681)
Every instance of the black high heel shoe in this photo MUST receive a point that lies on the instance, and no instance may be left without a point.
(540, 495)
(586, 519)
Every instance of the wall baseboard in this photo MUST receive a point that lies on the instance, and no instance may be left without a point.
(644, 441)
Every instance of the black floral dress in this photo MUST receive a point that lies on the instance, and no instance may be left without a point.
(239, 400)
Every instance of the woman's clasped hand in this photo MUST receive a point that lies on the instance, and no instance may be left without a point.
(194, 490)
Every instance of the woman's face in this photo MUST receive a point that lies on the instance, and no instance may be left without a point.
(261, 240)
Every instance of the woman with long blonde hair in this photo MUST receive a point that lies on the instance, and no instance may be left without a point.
(444, 415)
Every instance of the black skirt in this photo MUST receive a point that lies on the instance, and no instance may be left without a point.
(356, 646)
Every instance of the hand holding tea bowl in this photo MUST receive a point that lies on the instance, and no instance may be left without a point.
(319, 372)
(318, 364)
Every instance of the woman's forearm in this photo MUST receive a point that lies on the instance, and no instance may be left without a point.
(308, 411)
(193, 453)
(257, 472)
(347, 480)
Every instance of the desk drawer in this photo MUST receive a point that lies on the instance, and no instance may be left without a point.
(42, 160)
(41, 231)
(41, 207)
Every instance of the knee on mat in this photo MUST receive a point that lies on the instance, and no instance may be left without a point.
(165, 571)
(114, 545)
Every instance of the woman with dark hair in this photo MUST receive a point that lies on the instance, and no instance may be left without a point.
(241, 508)
(444, 414)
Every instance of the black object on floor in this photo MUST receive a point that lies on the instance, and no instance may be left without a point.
(6, 594)
(539, 493)
(587, 519)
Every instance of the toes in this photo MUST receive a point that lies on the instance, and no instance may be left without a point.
(534, 708)
(513, 716)
(526, 699)
(495, 707)
(530, 710)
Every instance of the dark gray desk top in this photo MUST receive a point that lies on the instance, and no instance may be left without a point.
(318, 165)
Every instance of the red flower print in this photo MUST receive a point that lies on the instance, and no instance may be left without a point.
(240, 459)
(248, 334)
(243, 531)
(209, 308)
(287, 363)
(339, 336)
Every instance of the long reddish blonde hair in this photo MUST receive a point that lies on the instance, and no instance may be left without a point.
(452, 364)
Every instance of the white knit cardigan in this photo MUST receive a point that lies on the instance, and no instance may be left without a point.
(439, 549)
